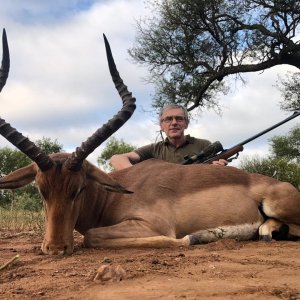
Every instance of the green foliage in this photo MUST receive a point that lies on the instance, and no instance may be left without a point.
(27, 197)
(11, 160)
(280, 168)
(287, 146)
(290, 90)
(49, 146)
(113, 146)
(28, 201)
(283, 161)
(190, 47)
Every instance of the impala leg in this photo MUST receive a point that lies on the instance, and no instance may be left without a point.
(129, 234)
(282, 202)
(294, 231)
(240, 232)
(146, 242)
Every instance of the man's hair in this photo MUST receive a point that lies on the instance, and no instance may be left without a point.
(172, 106)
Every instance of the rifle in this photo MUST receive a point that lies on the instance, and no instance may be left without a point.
(215, 150)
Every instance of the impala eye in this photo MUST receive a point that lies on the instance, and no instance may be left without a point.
(76, 194)
(81, 190)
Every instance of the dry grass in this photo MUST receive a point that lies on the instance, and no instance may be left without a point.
(21, 220)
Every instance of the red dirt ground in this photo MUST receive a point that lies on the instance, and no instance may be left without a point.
(223, 270)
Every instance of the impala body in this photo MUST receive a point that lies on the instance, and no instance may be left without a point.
(163, 205)
(153, 203)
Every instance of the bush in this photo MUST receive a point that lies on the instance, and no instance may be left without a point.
(27, 198)
(280, 168)
(28, 202)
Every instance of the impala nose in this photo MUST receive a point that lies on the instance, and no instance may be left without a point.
(57, 249)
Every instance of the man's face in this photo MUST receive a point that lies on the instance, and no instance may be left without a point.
(173, 123)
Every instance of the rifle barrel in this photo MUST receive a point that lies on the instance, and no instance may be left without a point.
(294, 115)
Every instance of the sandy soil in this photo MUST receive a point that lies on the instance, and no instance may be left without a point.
(223, 270)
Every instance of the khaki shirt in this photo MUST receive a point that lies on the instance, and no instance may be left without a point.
(164, 150)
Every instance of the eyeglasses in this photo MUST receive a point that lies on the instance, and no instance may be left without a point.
(169, 119)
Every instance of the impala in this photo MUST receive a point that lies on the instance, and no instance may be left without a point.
(153, 203)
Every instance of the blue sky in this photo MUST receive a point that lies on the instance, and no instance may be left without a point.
(60, 87)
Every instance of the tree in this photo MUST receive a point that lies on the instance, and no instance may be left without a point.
(284, 158)
(13, 159)
(10, 160)
(287, 146)
(191, 46)
(290, 90)
(283, 161)
(113, 146)
(49, 146)
(279, 168)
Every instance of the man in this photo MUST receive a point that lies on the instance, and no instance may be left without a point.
(173, 122)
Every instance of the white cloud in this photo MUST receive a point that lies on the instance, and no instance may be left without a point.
(60, 87)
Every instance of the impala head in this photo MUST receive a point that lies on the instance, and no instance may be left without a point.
(62, 178)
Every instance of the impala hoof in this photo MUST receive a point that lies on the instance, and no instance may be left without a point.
(265, 238)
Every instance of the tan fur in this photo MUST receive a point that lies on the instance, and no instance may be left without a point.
(170, 205)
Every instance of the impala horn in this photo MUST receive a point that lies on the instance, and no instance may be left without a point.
(11, 134)
(75, 161)
(5, 61)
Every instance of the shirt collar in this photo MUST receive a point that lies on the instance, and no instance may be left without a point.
(188, 140)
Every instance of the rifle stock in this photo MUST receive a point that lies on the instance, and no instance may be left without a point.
(226, 154)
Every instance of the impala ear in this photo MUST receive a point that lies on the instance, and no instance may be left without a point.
(116, 188)
(18, 178)
(105, 180)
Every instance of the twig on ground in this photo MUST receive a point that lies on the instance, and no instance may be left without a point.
(9, 262)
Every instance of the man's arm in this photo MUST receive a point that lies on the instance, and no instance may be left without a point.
(125, 160)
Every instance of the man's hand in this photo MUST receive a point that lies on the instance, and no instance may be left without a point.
(220, 162)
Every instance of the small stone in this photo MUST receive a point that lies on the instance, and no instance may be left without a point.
(110, 273)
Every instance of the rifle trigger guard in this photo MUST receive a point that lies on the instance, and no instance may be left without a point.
(232, 158)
